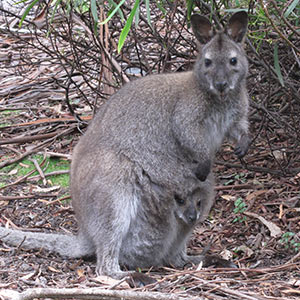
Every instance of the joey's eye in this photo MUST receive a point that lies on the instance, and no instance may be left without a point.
(233, 61)
(179, 200)
(207, 62)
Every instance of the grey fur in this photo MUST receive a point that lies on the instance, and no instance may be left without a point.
(141, 175)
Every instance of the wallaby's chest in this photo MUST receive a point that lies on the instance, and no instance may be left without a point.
(217, 126)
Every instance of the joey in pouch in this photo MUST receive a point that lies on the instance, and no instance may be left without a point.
(141, 175)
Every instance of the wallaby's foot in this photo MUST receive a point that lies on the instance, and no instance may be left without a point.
(206, 260)
(137, 279)
(134, 279)
(214, 260)
(242, 146)
(202, 170)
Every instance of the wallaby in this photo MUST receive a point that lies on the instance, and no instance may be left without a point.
(141, 175)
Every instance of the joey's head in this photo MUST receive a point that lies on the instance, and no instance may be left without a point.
(222, 65)
(189, 209)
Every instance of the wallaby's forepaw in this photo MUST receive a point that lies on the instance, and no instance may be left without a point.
(202, 170)
(137, 279)
(242, 146)
(218, 262)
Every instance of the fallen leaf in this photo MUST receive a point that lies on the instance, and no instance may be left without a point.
(294, 282)
(28, 276)
(13, 171)
(4, 203)
(80, 272)
(228, 197)
(279, 154)
(274, 229)
(38, 189)
(291, 291)
(24, 165)
(106, 280)
(254, 194)
(226, 254)
(53, 270)
(249, 252)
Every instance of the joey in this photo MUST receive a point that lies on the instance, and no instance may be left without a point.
(141, 175)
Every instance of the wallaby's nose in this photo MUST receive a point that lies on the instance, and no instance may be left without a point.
(192, 215)
(221, 85)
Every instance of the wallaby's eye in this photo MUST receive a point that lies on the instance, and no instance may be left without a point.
(198, 204)
(207, 62)
(179, 200)
(233, 61)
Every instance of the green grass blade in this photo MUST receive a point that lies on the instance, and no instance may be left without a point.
(161, 7)
(189, 8)
(27, 10)
(113, 12)
(147, 2)
(234, 10)
(54, 10)
(127, 26)
(137, 16)
(277, 66)
(94, 10)
(21, 1)
(114, 4)
(291, 8)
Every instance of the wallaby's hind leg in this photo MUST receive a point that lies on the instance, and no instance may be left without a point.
(108, 226)
(108, 259)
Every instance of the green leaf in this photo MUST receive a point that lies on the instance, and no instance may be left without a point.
(137, 16)
(114, 4)
(94, 10)
(21, 1)
(127, 26)
(277, 66)
(27, 10)
(291, 8)
(160, 6)
(147, 2)
(189, 8)
(54, 10)
(233, 10)
(113, 12)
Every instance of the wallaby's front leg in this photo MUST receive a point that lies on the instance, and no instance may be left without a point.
(189, 136)
(239, 131)
(242, 146)
(203, 169)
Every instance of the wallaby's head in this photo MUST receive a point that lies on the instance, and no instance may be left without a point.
(189, 209)
(222, 65)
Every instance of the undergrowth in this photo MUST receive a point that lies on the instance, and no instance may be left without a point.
(47, 164)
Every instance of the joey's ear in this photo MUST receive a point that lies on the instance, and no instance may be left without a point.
(202, 28)
(237, 26)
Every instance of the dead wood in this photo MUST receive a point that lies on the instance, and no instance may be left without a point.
(92, 293)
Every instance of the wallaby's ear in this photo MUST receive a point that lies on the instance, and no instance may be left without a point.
(237, 26)
(202, 28)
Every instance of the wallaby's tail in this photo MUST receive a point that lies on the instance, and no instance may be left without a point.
(65, 245)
